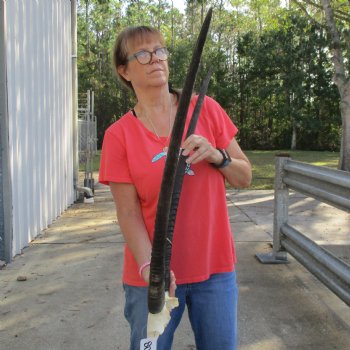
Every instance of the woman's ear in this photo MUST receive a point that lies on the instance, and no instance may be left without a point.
(122, 70)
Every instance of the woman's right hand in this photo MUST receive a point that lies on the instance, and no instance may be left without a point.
(172, 287)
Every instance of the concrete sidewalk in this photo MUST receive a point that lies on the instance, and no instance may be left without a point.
(72, 297)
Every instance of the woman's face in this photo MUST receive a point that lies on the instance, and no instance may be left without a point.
(145, 76)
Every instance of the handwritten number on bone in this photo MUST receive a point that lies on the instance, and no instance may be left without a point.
(147, 345)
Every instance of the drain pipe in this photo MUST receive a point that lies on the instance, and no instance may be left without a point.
(88, 194)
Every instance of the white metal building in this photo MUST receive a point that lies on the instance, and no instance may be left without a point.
(37, 158)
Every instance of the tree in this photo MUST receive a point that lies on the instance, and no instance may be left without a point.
(337, 24)
(285, 91)
(272, 69)
(341, 79)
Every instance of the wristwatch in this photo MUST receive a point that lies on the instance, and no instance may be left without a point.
(225, 161)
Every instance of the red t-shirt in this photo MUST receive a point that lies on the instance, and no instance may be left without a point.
(202, 242)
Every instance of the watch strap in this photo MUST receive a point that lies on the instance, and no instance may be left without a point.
(225, 161)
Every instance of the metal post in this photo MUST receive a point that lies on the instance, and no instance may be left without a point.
(6, 230)
(280, 217)
(87, 136)
(92, 140)
(89, 119)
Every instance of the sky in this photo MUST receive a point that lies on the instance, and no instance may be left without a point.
(180, 4)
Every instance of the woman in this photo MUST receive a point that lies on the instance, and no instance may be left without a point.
(132, 162)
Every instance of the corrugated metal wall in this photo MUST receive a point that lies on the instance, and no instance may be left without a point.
(39, 73)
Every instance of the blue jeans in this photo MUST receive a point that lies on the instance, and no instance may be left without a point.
(212, 310)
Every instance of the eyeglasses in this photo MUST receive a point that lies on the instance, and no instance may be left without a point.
(145, 57)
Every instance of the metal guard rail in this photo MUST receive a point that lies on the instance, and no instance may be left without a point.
(326, 185)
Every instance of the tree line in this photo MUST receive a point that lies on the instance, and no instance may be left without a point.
(272, 64)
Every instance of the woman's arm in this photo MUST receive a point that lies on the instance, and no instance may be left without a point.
(239, 171)
(131, 223)
(133, 227)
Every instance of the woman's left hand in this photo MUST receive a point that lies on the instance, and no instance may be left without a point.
(199, 148)
(239, 171)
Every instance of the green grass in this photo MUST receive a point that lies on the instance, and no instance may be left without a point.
(263, 163)
(95, 163)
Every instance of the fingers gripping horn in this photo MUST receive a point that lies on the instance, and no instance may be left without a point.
(156, 290)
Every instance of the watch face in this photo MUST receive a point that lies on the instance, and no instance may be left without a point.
(226, 162)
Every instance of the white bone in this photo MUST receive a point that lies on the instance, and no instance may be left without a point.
(157, 322)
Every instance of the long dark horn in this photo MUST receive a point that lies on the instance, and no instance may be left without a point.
(156, 290)
(180, 172)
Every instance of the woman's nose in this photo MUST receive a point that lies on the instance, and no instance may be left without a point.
(154, 58)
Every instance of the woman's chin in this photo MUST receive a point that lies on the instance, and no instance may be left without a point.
(158, 83)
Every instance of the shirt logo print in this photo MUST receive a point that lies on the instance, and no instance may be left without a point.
(188, 170)
(162, 154)
(158, 156)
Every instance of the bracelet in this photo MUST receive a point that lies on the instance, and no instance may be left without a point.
(142, 267)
